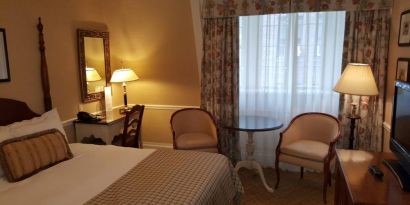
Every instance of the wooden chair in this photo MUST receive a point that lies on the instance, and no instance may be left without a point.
(131, 134)
(309, 141)
(194, 129)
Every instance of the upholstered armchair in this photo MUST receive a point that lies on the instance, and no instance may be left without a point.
(194, 129)
(309, 141)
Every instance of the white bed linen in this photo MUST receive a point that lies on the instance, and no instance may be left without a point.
(75, 181)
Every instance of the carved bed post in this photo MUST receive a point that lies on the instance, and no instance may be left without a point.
(44, 71)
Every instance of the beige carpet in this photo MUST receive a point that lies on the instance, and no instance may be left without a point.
(292, 190)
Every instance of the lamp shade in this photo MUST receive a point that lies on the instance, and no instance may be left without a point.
(123, 75)
(92, 75)
(357, 79)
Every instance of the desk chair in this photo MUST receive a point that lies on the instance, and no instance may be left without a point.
(131, 134)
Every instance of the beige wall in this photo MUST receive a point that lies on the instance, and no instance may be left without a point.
(153, 37)
(395, 52)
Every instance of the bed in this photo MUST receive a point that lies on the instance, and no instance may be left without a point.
(106, 174)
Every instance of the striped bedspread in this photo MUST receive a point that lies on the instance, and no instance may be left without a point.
(176, 177)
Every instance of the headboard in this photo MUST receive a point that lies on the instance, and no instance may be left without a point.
(14, 111)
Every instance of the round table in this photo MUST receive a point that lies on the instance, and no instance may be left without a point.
(251, 124)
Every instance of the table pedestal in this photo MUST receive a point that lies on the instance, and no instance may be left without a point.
(251, 163)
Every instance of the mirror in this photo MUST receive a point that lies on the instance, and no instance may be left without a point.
(94, 63)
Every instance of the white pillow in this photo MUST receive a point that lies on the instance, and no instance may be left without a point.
(47, 121)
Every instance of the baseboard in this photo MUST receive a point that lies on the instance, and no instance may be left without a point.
(157, 145)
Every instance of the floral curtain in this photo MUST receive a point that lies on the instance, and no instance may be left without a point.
(231, 8)
(220, 77)
(367, 41)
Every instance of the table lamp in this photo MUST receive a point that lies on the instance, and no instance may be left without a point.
(357, 80)
(92, 75)
(124, 75)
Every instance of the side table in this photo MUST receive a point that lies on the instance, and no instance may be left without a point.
(251, 124)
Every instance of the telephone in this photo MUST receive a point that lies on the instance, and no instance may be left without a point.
(87, 117)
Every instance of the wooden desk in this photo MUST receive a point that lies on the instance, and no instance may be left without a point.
(355, 184)
(111, 125)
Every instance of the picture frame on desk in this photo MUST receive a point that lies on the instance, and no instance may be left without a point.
(403, 69)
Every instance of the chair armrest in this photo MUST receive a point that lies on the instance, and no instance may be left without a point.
(289, 135)
(332, 145)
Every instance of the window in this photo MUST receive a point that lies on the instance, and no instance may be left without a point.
(290, 62)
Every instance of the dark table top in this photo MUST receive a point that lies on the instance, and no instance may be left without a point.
(256, 124)
(107, 118)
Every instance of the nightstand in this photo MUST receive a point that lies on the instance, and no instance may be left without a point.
(105, 129)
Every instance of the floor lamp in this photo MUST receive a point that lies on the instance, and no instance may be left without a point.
(124, 75)
(356, 80)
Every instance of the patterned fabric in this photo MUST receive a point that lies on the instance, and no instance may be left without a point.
(337, 5)
(367, 41)
(25, 156)
(220, 79)
(232, 8)
(175, 177)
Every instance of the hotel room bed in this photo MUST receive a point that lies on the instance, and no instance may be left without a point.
(106, 174)
(109, 175)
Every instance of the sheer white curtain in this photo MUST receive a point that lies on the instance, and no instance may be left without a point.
(289, 64)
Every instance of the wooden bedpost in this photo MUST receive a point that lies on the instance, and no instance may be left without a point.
(44, 70)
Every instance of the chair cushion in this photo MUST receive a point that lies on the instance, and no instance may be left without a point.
(195, 141)
(307, 149)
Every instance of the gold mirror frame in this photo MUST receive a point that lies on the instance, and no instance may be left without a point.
(81, 34)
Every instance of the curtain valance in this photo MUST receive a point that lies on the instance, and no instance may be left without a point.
(231, 8)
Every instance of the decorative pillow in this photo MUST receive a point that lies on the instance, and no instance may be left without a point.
(25, 156)
(48, 120)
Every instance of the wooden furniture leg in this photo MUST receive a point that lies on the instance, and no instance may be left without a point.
(301, 172)
(325, 181)
(45, 83)
(330, 178)
(277, 170)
